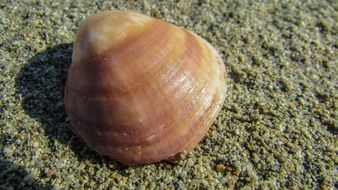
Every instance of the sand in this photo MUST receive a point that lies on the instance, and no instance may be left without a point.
(277, 128)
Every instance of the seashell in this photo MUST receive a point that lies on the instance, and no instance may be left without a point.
(140, 90)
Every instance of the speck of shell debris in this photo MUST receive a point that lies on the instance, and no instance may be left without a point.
(277, 128)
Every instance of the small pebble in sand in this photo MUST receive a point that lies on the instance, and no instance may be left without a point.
(220, 168)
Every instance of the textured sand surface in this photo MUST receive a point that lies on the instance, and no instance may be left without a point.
(277, 128)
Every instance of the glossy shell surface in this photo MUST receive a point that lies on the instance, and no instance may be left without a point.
(141, 90)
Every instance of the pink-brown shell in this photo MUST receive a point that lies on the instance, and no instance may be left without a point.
(141, 90)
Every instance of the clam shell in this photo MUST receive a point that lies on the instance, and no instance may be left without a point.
(141, 90)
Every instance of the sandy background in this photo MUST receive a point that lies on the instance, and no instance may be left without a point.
(277, 128)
